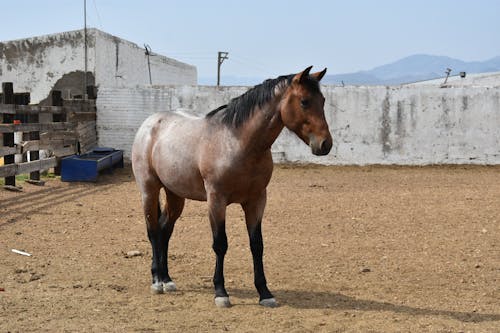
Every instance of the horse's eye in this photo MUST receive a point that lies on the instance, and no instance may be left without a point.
(304, 103)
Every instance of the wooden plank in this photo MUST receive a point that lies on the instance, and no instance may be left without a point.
(86, 124)
(58, 135)
(87, 140)
(8, 170)
(87, 132)
(52, 109)
(55, 145)
(34, 153)
(87, 148)
(30, 145)
(30, 109)
(27, 109)
(64, 151)
(82, 116)
(8, 138)
(39, 109)
(72, 108)
(45, 145)
(22, 168)
(69, 142)
(85, 127)
(36, 165)
(9, 150)
(7, 108)
(11, 128)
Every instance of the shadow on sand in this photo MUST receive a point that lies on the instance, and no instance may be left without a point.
(21, 206)
(325, 300)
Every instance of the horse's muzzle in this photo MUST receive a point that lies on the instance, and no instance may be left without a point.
(321, 148)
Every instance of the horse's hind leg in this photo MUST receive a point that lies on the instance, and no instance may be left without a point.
(150, 202)
(159, 226)
(171, 212)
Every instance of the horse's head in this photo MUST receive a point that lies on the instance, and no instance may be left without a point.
(302, 111)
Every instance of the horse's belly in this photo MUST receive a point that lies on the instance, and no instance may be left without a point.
(185, 184)
(179, 173)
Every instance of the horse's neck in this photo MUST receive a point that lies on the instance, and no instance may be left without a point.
(260, 132)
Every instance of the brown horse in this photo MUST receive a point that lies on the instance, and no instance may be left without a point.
(223, 158)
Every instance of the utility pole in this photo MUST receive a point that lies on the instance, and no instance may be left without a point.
(220, 59)
(84, 91)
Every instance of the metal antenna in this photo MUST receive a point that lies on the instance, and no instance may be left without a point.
(448, 71)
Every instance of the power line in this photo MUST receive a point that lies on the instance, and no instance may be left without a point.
(98, 16)
(250, 65)
(255, 63)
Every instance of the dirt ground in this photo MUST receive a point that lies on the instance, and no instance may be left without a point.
(347, 249)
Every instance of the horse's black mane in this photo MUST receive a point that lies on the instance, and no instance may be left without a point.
(241, 108)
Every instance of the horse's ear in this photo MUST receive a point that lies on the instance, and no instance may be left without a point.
(299, 78)
(319, 75)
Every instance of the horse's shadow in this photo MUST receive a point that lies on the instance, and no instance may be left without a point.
(301, 299)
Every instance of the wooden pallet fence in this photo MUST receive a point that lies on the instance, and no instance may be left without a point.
(64, 128)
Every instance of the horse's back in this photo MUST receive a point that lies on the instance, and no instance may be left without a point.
(155, 127)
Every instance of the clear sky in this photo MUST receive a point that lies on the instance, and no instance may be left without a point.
(266, 38)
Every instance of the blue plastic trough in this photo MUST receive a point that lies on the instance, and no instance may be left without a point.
(86, 167)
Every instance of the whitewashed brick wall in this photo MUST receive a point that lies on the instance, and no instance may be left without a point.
(370, 125)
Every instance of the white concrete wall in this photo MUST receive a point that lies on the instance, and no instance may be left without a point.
(122, 110)
(370, 125)
(37, 64)
(491, 79)
(120, 63)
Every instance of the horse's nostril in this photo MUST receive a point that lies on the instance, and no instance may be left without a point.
(324, 146)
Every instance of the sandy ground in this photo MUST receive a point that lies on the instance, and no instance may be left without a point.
(347, 249)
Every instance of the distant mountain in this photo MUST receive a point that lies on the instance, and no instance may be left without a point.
(413, 68)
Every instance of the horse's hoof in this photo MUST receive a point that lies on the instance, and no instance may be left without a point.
(269, 302)
(222, 302)
(169, 286)
(157, 288)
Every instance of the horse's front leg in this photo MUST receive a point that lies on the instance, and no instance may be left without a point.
(254, 210)
(217, 216)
